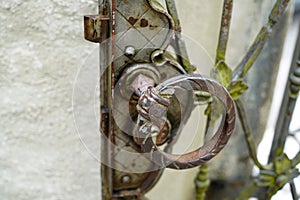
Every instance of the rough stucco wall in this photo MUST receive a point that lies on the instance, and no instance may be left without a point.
(41, 50)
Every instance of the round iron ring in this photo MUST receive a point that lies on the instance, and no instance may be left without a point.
(206, 152)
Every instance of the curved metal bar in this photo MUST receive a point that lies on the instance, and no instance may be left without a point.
(151, 109)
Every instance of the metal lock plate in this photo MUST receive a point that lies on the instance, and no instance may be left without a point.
(138, 33)
(133, 44)
(130, 38)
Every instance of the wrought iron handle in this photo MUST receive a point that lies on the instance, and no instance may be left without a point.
(152, 108)
(134, 37)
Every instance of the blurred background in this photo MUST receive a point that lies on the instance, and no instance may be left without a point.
(41, 52)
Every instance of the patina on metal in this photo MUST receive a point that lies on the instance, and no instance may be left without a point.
(133, 54)
(153, 106)
(129, 38)
(136, 75)
(96, 28)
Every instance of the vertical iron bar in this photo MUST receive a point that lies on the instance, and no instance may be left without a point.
(286, 109)
(294, 190)
(105, 101)
(224, 30)
(180, 45)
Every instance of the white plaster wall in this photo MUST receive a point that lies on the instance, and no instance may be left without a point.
(41, 50)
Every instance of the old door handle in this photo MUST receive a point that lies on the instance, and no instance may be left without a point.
(152, 108)
(135, 36)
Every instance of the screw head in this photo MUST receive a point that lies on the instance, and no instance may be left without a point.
(126, 179)
(130, 51)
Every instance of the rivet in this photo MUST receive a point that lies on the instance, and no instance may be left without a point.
(130, 51)
(158, 58)
(126, 179)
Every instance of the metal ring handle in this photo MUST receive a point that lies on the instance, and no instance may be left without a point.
(153, 98)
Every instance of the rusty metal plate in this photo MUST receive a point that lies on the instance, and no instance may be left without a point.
(143, 28)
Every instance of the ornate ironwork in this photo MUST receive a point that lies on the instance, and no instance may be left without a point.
(142, 77)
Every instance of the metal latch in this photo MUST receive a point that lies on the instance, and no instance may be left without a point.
(147, 95)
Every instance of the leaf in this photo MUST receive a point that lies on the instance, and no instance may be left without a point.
(224, 73)
(236, 89)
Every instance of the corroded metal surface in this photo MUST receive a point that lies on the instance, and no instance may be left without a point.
(153, 105)
(134, 35)
(144, 28)
(133, 57)
(137, 32)
(96, 28)
(125, 115)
